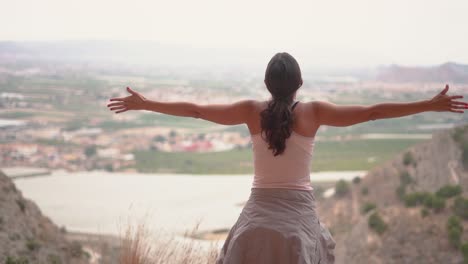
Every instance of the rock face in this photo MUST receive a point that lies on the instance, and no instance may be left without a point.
(26, 236)
(409, 237)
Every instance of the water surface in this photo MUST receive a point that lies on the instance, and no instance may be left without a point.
(102, 202)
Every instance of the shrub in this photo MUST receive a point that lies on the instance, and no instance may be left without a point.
(464, 250)
(453, 221)
(410, 200)
(368, 207)
(438, 204)
(53, 259)
(401, 191)
(12, 260)
(433, 201)
(356, 180)
(408, 159)
(405, 178)
(364, 190)
(424, 212)
(32, 245)
(341, 188)
(460, 207)
(416, 198)
(448, 191)
(455, 230)
(454, 237)
(376, 223)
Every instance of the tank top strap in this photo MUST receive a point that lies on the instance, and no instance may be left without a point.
(294, 105)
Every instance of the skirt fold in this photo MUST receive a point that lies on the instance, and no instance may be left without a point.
(278, 226)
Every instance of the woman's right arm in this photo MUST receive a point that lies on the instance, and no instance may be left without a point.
(335, 115)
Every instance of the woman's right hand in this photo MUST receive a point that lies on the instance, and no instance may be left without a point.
(135, 101)
(442, 102)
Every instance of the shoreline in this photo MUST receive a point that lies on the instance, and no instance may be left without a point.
(25, 172)
(30, 172)
(99, 247)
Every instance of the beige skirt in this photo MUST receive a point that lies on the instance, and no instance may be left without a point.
(278, 226)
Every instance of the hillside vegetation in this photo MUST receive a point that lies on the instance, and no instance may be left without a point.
(27, 236)
(411, 209)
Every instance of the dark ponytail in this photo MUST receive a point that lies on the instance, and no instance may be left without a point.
(282, 78)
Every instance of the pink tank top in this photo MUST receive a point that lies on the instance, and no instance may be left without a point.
(290, 170)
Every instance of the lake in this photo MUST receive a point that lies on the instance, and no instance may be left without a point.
(103, 202)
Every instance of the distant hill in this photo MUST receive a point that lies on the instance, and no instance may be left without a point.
(27, 236)
(447, 72)
(410, 236)
(125, 52)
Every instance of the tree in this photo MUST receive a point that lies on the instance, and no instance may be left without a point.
(172, 133)
(159, 138)
(356, 180)
(90, 151)
(201, 136)
(341, 188)
(408, 159)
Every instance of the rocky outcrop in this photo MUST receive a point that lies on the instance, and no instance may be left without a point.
(410, 237)
(27, 236)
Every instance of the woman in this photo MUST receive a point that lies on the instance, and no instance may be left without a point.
(279, 223)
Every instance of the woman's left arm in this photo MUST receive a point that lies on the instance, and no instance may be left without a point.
(225, 114)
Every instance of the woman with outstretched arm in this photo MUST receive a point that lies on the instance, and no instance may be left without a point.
(279, 223)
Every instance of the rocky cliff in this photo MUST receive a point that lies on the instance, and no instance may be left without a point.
(27, 236)
(412, 232)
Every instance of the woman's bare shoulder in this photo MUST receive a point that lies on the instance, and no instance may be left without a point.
(259, 105)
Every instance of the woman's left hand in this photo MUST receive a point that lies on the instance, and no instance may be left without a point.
(135, 101)
(442, 102)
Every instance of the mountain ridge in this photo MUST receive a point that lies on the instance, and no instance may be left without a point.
(446, 72)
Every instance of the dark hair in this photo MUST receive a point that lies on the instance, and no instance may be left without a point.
(282, 79)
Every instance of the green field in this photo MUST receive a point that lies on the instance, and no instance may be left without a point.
(328, 156)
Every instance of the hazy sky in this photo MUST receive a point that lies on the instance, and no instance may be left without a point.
(361, 32)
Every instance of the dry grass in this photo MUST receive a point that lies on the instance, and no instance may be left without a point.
(140, 246)
(135, 246)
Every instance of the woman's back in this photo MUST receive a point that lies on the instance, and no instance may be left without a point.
(305, 124)
(289, 170)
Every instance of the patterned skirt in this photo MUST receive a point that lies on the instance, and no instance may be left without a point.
(278, 226)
